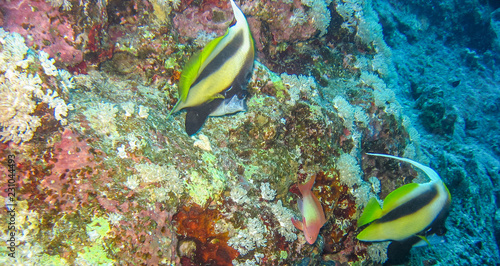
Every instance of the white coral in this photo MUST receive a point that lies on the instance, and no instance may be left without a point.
(284, 217)
(175, 3)
(267, 192)
(58, 104)
(239, 195)
(17, 89)
(378, 251)
(121, 152)
(132, 182)
(143, 111)
(349, 170)
(47, 63)
(66, 4)
(249, 238)
(128, 107)
(133, 142)
(350, 114)
(101, 117)
(114, 218)
(166, 175)
(203, 143)
(298, 17)
(20, 88)
(299, 85)
(65, 80)
(13, 51)
(319, 14)
(16, 107)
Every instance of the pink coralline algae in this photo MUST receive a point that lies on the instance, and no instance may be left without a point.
(71, 153)
(147, 239)
(44, 27)
(284, 26)
(195, 19)
(68, 184)
(287, 21)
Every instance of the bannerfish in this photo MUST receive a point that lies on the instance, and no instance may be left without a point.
(213, 82)
(409, 213)
(313, 216)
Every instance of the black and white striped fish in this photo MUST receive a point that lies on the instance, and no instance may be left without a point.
(213, 82)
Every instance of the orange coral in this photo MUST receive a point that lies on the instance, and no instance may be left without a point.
(176, 75)
(198, 224)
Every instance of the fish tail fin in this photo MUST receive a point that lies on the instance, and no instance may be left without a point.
(371, 212)
(433, 176)
(305, 188)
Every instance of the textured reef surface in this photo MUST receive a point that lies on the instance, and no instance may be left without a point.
(94, 172)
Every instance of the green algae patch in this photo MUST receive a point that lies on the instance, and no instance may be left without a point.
(201, 189)
(100, 226)
(95, 255)
(46, 259)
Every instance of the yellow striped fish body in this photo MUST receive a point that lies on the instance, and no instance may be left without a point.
(408, 210)
(213, 81)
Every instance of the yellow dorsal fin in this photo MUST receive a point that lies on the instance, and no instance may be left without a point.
(371, 212)
(188, 75)
(391, 201)
(192, 67)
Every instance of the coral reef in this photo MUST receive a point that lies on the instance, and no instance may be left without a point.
(105, 178)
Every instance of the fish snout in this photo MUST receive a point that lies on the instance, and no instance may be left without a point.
(310, 238)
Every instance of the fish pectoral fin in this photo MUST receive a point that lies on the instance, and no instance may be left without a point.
(424, 239)
(371, 212)
(217, 96)
(300, 205)
(298, 224)
(210, 100)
